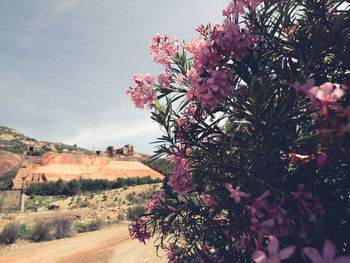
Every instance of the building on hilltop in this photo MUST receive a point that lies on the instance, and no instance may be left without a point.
(127, 150)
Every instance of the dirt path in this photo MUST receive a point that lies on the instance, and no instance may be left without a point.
(112, 245)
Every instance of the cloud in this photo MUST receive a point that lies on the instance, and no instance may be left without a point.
(65, 65)
(112, 134)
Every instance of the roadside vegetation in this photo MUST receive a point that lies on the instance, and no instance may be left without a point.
(57, 228)
(63, 216)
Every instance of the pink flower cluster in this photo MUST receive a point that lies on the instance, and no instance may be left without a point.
(181, 179)
(237, 7)
(269, 218)
(211, 78)
(213, 89)
(309, 208)
(233, 42)
(144, 93)
(155, 202)
(163, 49)
(164, 80)
(138, 229)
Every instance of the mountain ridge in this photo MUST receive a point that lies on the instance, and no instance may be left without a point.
(16, 142)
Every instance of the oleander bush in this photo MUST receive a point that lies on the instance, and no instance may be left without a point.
(256, 119)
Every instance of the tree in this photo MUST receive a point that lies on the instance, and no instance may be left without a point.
(255, 114)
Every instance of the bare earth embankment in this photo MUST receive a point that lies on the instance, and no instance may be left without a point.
(111, 245)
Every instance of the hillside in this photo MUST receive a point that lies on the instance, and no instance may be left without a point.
(15, 142)
(17, 150)
(9, 161)
(54, 166)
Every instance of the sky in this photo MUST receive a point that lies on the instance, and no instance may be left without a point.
(65, 65)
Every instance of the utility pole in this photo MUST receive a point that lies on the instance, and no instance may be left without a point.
(21, 198)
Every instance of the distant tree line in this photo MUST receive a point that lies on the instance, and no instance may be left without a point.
(75, 186)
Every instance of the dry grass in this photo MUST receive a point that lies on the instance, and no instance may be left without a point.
(111, 205)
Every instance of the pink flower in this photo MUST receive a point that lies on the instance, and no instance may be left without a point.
(149, 79)
(155, 202)
(180, 79)
(274, 256)
(138, 229)
(309, 208)
(328, 254)
(164, 80)
(327, 92)
(137, 78)
(235, 193)
(181, 179)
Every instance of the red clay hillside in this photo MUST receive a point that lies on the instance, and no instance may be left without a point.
(55, 166)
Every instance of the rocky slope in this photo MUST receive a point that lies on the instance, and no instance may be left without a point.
(9, 161)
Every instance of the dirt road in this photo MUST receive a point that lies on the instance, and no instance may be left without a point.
(112, 245)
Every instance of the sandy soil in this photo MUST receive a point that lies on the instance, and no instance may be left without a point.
(111, 245)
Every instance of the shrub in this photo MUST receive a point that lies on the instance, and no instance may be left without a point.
(120, 217)
(53, 207)
(10, 233)
(62, 227)
(92, 225)
(131, 197)
(136, 211)
(23, 231)
(41, 231)
(80, 227)
(13, 231)
(95, 224)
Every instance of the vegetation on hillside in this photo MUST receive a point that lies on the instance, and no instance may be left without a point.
(16, 142)
(6, 179)
(72, 187)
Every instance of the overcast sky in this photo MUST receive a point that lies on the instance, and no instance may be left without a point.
(65, 65)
